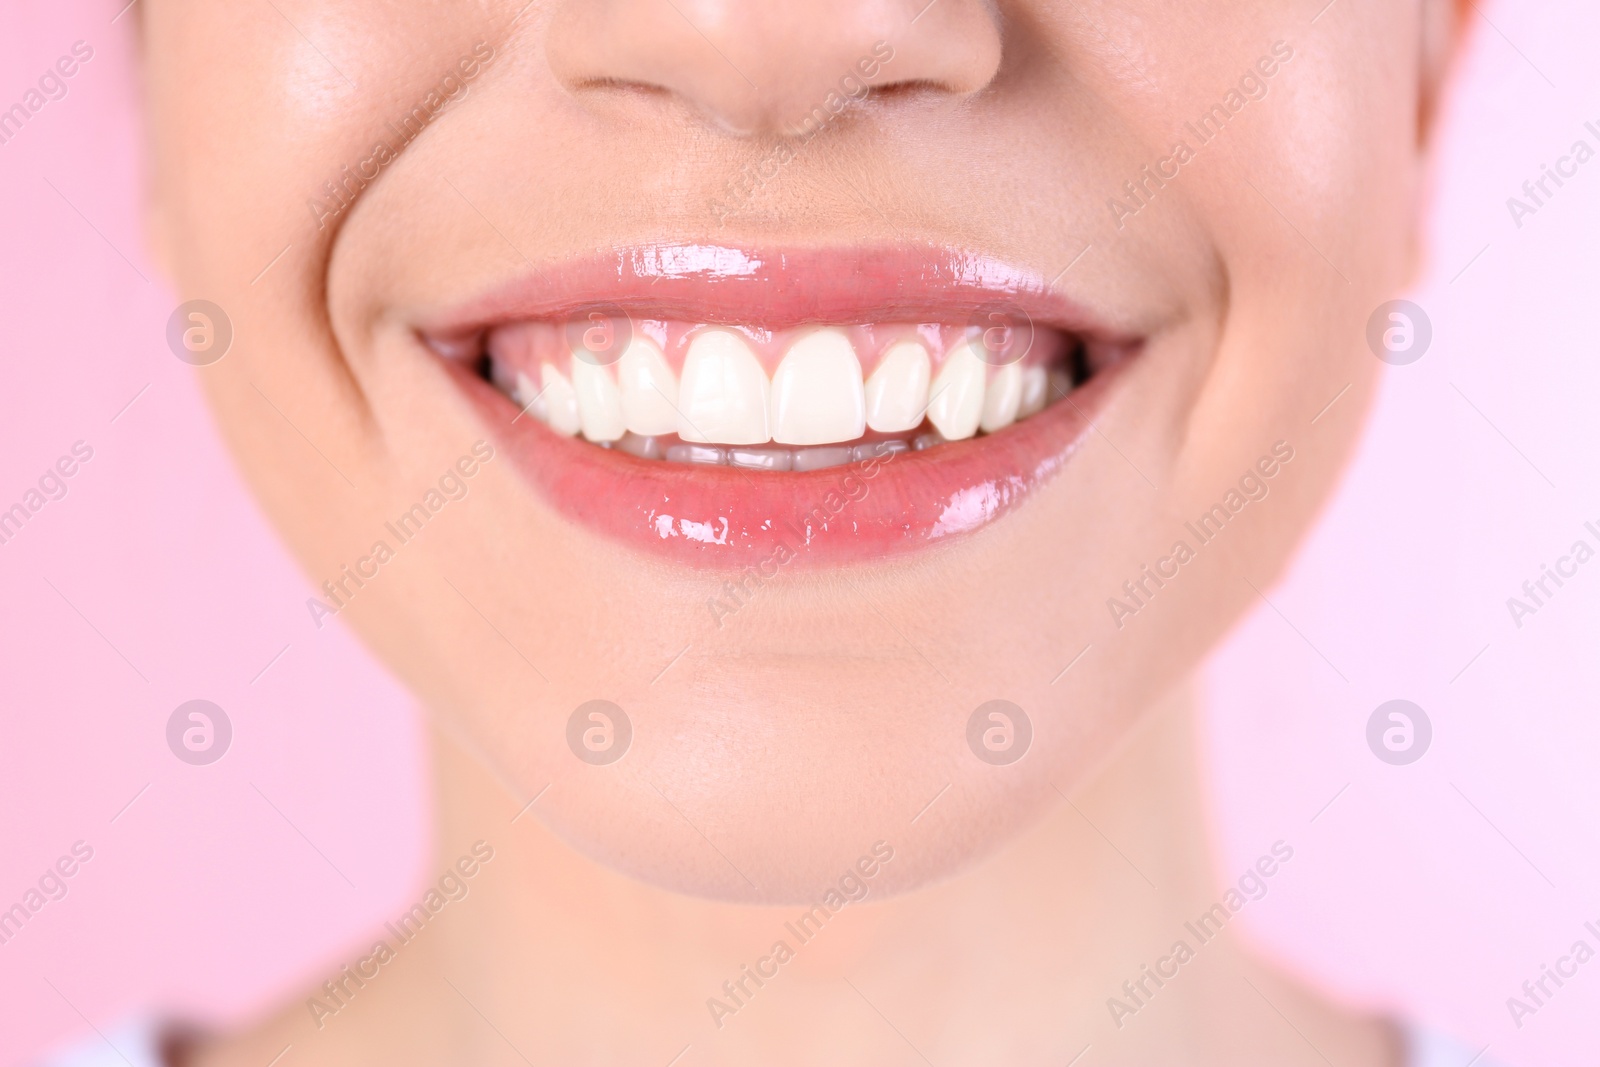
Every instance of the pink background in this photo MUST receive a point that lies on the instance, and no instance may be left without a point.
(1434, 889)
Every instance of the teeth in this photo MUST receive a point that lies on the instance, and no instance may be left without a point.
(599, 401)
(1059, 383)
(649, 389)
(897, 392)
(643, 447)
(1002, 398)
(527, 396)
(957, 394)
(816, 393)
(504, 375)
(769, 459)
(509, 350)
(878, 450)
(560, 401)
(1035, 391)
(761, 459)
(815, 459)
(708, 454)
(721, 408)
(724, 392)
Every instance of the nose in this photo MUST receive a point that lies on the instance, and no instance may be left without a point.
(775, 66)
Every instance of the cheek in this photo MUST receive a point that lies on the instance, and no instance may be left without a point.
(244, 139)
(1336, 159)
(1318, 233)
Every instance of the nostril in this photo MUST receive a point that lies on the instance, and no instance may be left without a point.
(758, 67)
(907, 90)
(605, 84)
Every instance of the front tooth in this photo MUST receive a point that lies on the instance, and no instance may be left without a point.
(723, 394)
(560, 401)
(816, 393)
(1035, 390)
(599, 401)
(649, 389)
(897, 392)
(957, 394)
(1001, 398)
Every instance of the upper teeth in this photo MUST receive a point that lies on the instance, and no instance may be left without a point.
(897, 392)
(956, 402)
(561, 402)
(649, 389)
(1002, 398)
(724, 395)
(816, 396)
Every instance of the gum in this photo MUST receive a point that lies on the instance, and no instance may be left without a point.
(525, 345)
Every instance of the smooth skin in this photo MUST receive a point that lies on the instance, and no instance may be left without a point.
(772, 751)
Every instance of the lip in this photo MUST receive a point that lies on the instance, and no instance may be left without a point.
(715, 516)
(779, 289)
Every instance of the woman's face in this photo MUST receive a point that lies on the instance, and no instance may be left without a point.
(503, 276)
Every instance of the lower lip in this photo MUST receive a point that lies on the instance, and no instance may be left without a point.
(725, 517)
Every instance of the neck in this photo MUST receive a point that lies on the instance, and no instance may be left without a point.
(1066, 938)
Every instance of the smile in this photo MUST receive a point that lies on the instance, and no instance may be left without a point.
(714, 404)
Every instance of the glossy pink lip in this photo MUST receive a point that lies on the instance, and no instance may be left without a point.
(780, 289)
(728, 517)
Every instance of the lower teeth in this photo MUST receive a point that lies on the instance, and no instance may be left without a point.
(820, 457)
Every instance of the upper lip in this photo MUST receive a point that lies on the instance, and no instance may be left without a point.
(778, 289)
